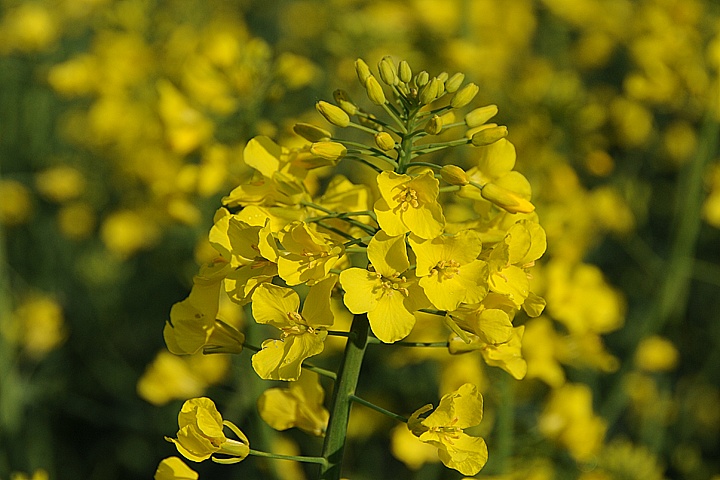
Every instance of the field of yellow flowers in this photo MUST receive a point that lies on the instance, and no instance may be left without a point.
(362, 239)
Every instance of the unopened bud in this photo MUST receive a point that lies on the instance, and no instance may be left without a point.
(405, 72)
(311, 132)
(328, 150)
(343, 100)
(453, 83)
(442, 76)
(388, 72)
(422, 78)
(489, 135)
(506, 199)
(480, 115)
(384, 141)
(362, 70)
(434, 125)
(464, 96)
(448, 117)
(454, 175)
(430, 92)
(374, 91)
(333, 113)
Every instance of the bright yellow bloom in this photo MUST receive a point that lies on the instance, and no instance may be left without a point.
(409, 204)
(387, 296)
(303, 334)
(251, 250)
(506, 355)
(449, 271)
(173, 468)
(193, 322)
(307, 255)
(201, 434)
(444, 429)
(524, 243)
(300, 405)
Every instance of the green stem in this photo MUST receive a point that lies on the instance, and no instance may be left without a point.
(505, 426)
(376, 341)
(390, 414)
(297, 458)
(336, 433)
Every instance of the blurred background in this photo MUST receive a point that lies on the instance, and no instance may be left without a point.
(122, 123)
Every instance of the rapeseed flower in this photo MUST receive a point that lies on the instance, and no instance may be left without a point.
(303, 334)
(444, 427)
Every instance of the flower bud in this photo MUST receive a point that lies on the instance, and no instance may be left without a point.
(464, 96)
(310, 132)
(422, 78)
(362, 70)
(454, 175)
(430, 92)
(388, 72)
(328, 150)
(453, 83)
(434, 125)
(442, 76)
(384, 141)
(480, 115)
(374, 91)
(343, 100)
(405, 72)
(333, 113)
(489, 135)
(506, 199)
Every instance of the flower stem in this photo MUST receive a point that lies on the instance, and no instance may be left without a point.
(390, 414)
(297, 458)
(344, 389)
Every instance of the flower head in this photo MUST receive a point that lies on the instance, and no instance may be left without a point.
(444, 427)
(201, 434)
(409, 204)
(303, 334)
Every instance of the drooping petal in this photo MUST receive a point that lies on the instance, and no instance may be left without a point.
(316, 309)
(361, 289)
(390, 321)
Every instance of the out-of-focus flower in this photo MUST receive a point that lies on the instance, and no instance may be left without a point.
(37, 326)
(300, 405)
(60, 184)
(569, 420)
(173, 468)
(656, 354)
(17, 206)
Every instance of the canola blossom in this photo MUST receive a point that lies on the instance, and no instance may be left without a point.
(291, 251)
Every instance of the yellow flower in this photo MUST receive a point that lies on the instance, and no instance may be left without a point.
(409, 204)
(201, 434)
(388, 297)
(194, 325)
(300, 405)
(173, 468)
(449, 270)
(524, 243)
(444, 427)
(250, 249)
(568, 419)
(303, 334)
(656, 354)
(307, 255)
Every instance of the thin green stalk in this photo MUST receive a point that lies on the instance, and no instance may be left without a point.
(505, 426)
(336, 433)
(296, 458)
(379, 409)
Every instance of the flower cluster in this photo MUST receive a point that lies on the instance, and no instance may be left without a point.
(387, 250)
